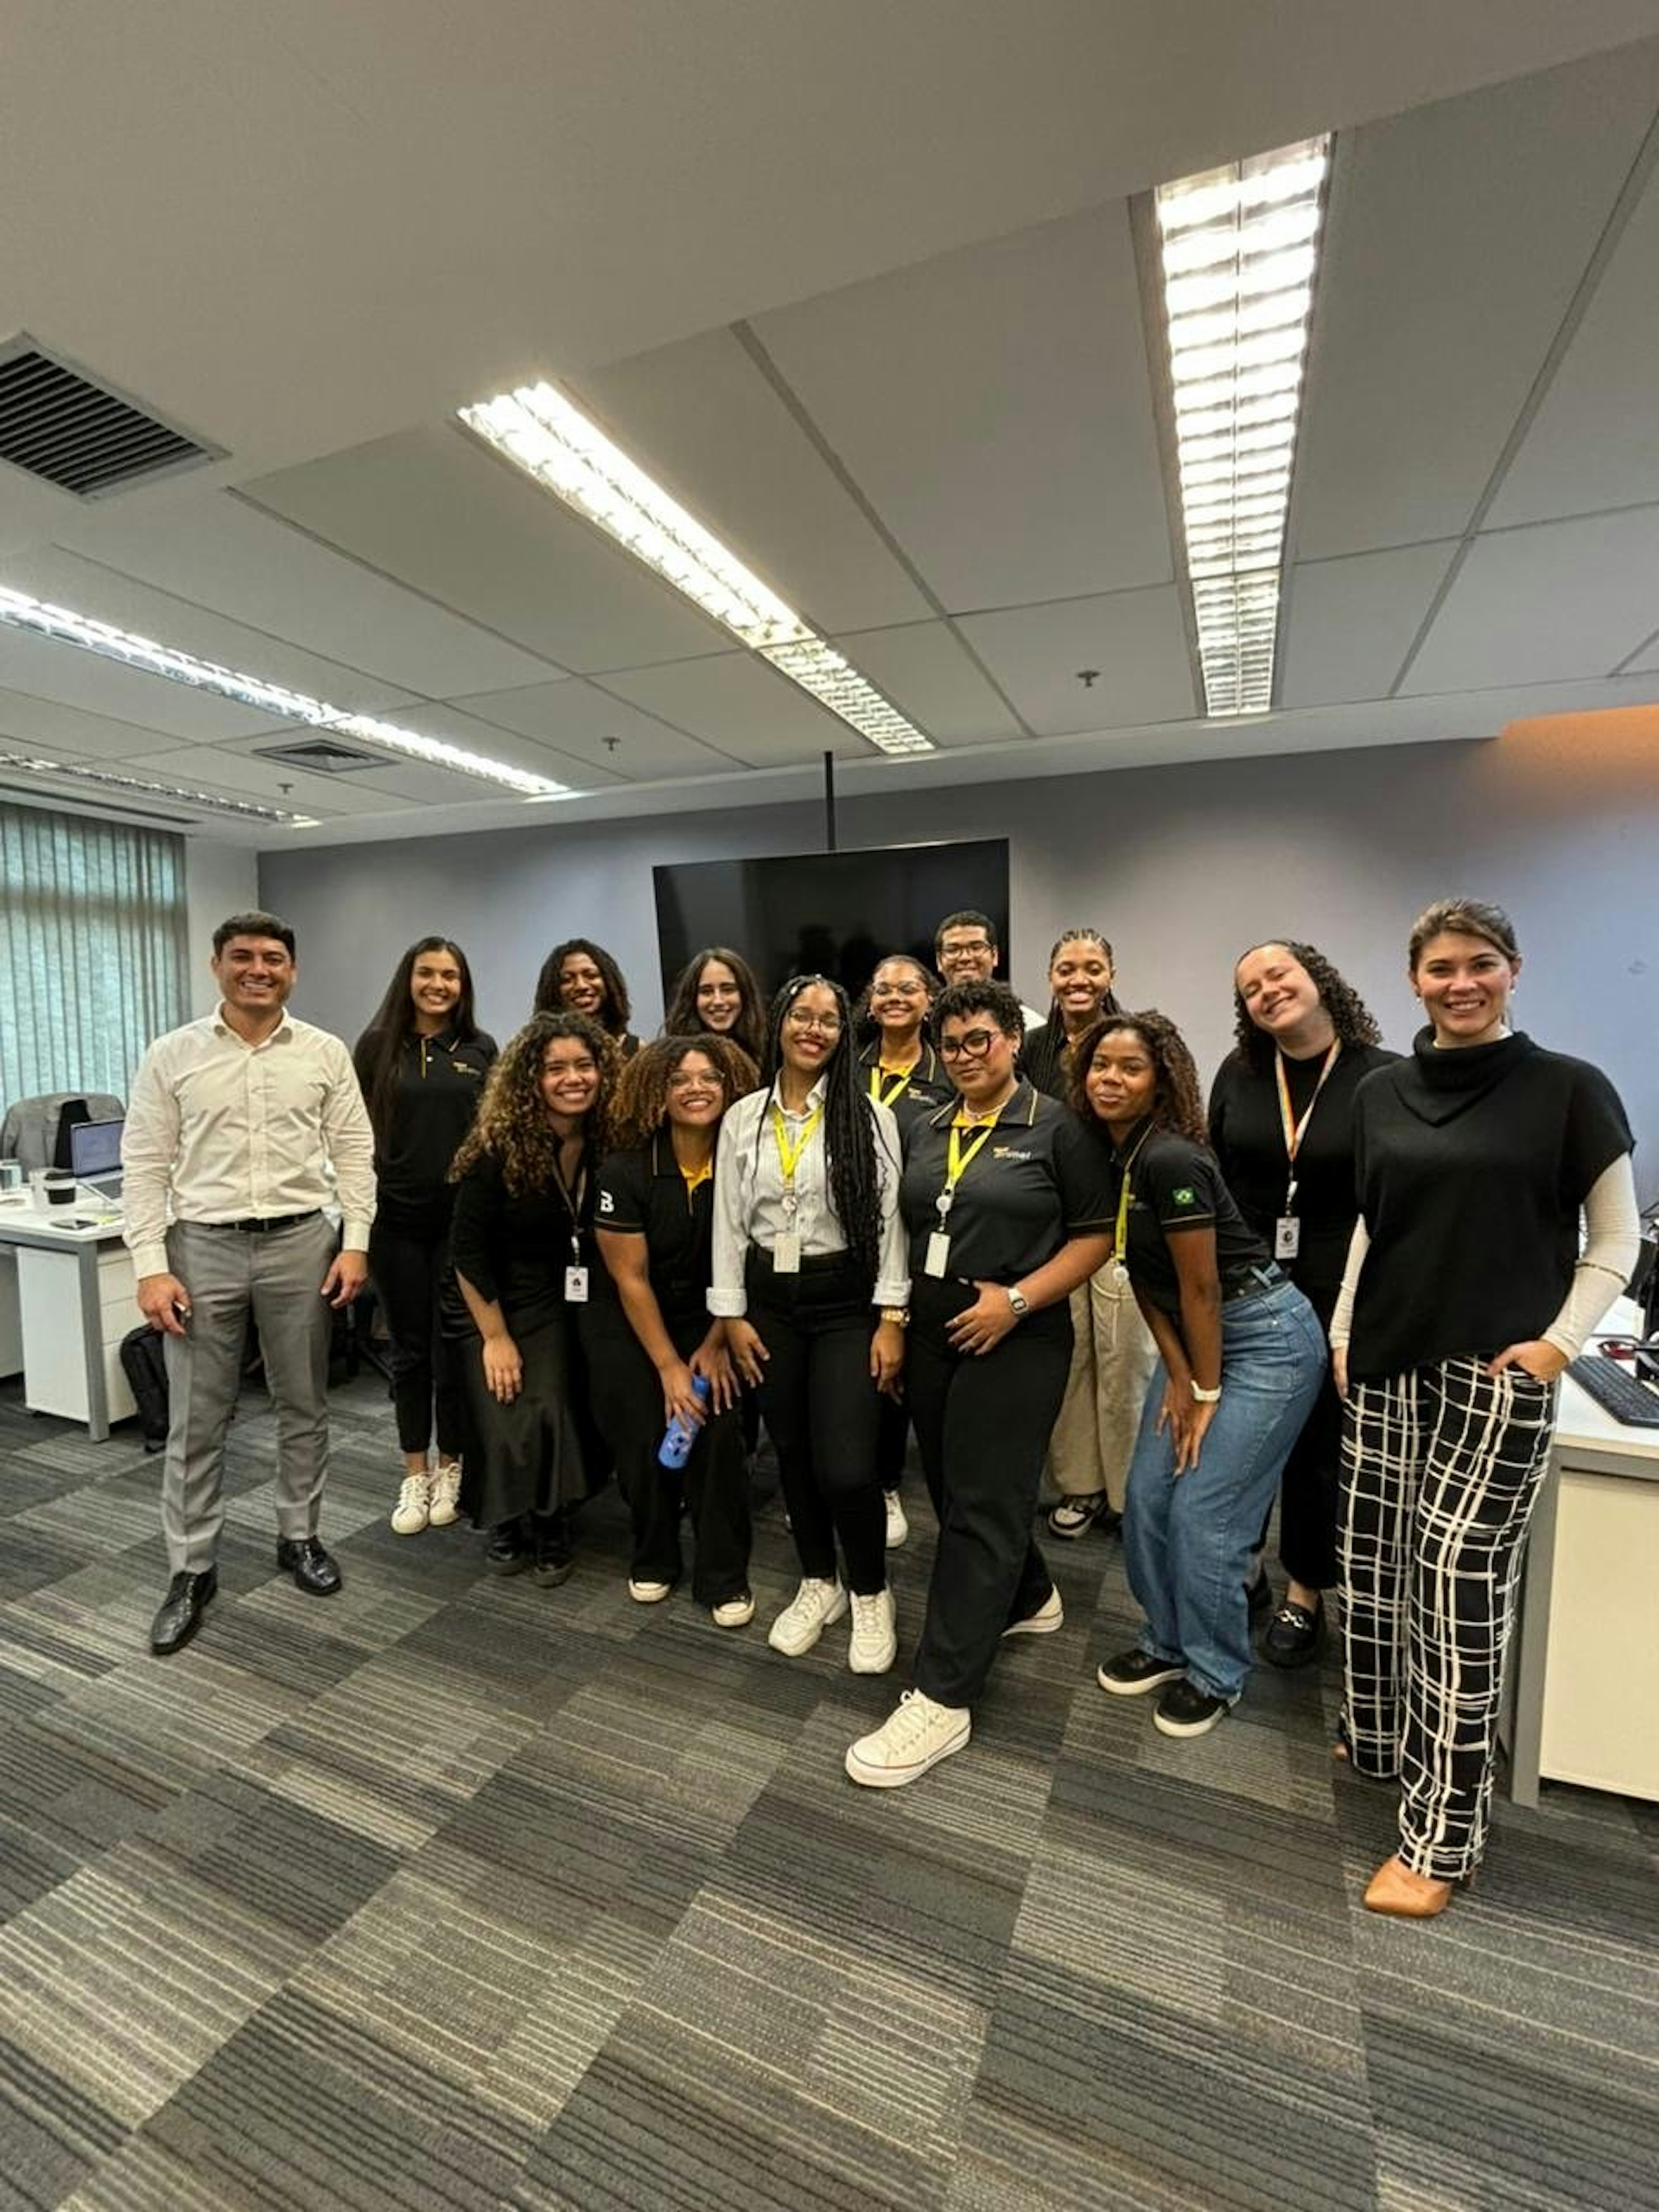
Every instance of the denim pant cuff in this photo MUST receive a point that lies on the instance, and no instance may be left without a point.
(1146, 1642)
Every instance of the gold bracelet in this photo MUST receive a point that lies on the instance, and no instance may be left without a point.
(899, 1315)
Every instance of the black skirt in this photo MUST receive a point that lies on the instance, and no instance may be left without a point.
(542, 1453)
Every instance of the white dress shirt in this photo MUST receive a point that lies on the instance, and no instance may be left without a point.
(228, 1131)
(748, 1206)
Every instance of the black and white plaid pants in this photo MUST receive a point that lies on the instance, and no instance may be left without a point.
(1440, 1467)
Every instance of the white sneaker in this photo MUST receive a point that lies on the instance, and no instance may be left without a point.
(916, 1735)
(897, 1527)
(804, 1618)
(648, 1593)
(874, 1643)
(446, 1493)
(413, 1510)
(734, 1613)
(1048, 1616)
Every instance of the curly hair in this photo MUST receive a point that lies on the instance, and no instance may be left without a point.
(683, 1019)
(1350, 1018)
(512, 1124)
(613, 1016)
(641, 1105)
(1177, 1101)
(989, 998)
(849, 1124)
(381, 1047)
(864, 1023)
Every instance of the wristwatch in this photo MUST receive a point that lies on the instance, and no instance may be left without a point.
(1019, 1301)
(899, 1315)
(1205, 1397)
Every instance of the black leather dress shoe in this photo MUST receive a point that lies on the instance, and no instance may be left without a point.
(181, 1611)
(309, 1565)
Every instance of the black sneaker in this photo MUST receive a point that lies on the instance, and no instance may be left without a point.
(509, 1551)
(1185, 1710)
(1132, 1673)
(555, 1551)
(1293, 1635)
(1259, 1594)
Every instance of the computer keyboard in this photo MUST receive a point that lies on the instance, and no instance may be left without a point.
(1613, 1387)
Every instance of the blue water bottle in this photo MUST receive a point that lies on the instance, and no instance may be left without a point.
(679, 1436)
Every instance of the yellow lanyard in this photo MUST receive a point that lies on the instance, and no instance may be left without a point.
(958, 1161)
(901, 1079)
(1120, 1239)
(789, 1153)
(1294, 1130)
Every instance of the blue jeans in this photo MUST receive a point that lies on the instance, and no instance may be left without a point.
(1187, 1539)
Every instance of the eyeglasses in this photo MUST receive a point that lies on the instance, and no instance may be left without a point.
(972, 1044)
(681, 1081)
(898, 990)
(829, 1024)
(953, 945)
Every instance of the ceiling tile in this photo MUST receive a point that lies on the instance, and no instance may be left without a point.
(994, 405)
(260, 570)
(239, 775)
(480, 735)
(702, 419)
(929, 675)
(75, 678)
(743, 710)
(433, 508)
(67, 580)
(1595, 441)
(1559, 599)
(1460, 232)
(46, 728)
(576, 719)
(1135, 639)
(1351, 622)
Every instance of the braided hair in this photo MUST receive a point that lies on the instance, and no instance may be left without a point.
(1177, 1101)
(1046, 1060)
(682, 1019)
(849, 1125)
(612, 1016)
(1350, 1018)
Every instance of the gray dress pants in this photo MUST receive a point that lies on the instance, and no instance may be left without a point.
(277, 1277)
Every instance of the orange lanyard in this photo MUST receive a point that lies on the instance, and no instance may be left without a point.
(1294, 1130)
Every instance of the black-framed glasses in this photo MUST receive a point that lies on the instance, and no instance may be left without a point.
(972, 1044)
(964, 944)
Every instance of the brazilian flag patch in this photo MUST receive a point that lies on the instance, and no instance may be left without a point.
(1182, 1197)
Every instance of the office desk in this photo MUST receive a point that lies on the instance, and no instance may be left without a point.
(66, 1301)
(1586, 1681)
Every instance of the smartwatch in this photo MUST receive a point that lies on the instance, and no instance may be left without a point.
(1019, 1301)
(1205, 1397)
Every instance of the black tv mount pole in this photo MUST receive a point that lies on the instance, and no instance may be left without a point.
(829, 802)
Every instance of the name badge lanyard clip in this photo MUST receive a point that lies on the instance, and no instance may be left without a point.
(575, 1275)
(786, 1247)
(957, 1162)
(1287, 1230)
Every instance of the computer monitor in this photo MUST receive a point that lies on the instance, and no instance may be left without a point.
(96, 1150)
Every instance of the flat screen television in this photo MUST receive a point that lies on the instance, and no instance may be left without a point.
(828, 913)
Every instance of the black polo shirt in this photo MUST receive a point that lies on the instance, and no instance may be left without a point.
(643, 1193)
(929, 1086)
(1038, 1179)
(1175, 1185)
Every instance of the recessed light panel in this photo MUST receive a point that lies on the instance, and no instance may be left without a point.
(1239, 250)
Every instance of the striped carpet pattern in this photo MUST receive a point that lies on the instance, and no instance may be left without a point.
(454, 1893)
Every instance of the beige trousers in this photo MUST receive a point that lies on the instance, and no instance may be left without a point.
(1112, 1360)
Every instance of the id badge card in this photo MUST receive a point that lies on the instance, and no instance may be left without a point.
(786, 1252)
(937, 1261)
(1287, 1236)
(575, 1286)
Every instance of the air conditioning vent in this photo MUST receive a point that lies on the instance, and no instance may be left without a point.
(60, 425)
(322, 757)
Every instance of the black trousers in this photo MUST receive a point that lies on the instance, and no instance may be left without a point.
(892, 1438)
(982, 1425)
(821, 1412)
(627, 1399)
(1310, 1486)
(407, 1260)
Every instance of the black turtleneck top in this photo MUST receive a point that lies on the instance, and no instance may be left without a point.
(1472, 1167)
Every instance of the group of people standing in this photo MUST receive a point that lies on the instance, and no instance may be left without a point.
(1022, 1238)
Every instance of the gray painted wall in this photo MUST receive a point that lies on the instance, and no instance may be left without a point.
(1181, 867)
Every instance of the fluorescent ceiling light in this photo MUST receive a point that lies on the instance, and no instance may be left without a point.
(21, 612)
(107, 779)
(1239, 250)
(538, 429)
